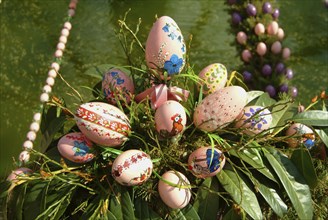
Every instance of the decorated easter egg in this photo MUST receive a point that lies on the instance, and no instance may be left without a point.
(132, 167)
(170, 119)
(75, 147)
(103, 123)
(18, 173)
(165, 47)
(254, 119)
(220, 108)
(174, 190)
(300, 134)
(116, 84)
(215, 77)
(206, 162)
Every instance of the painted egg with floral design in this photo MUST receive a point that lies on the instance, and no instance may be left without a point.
(215, 77)
(170, 119)
(132, 167)
(206, 162)
(165, 47)
(116, 84)
(219, 109)
(254, 120)
(174, 189)
(102, 123)
(300, 134)
(19, 173)
(75, 147)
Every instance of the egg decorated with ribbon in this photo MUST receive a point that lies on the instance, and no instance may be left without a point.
(102, 123)
(117, 85)
(132, 167)
(75, 147)
(19, 173)
(300, 134)
(254, 120)
(165, 47)
(174, 189)
(220, 108)
(215, 77)
(206, 162)
(170, 119)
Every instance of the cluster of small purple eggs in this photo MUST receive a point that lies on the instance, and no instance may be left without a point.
(262, 43)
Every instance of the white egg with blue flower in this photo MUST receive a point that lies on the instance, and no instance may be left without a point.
(206, 162)
(75, 147)
(165, 47)
(254, 120)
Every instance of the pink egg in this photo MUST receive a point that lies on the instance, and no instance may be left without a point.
(280, 34)
(261, 48)
(259, 29)
(254, 120)
(177, 194)
(203, 164)
(165, 47)
(272, 28)
(286, 53)
(75, 147)
(132, 167)
(215, 76)
(220, 108)
(19, 173)
(116, 83)
(276, 47)
(170, 119)
(300, 134)
(246, 55)
(102, 123)
(241, 37)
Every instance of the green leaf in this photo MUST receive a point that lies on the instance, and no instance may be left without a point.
(207, 203)
(296, 188)
(231, 215)
(281, 113)
(127, 205)
(251, 95)
(253, 158)
(265, 100)
(115, 206)
(323, 136)
(303, 161)
(240, 192)
(190, 213)
(312, 118)
(99, 70)
(143, 211)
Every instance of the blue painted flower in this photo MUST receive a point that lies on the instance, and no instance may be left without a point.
(114, 74)
(166, 28)
(173, 65)
(183, 48)
(80, 148)
(172, 35)
(255, 118)
(119, 81)
(309, 143)
(179, 38)
(212, 163)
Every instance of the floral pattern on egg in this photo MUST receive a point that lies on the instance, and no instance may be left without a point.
(165, 46)
(215, 77)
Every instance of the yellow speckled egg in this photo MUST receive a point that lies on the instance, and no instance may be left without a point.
(300, 134)
(206, 162)
(215, 77)
(75, 147)
(102, 123)
(132, 167)
(254, 119)
(165, 47)
(220, 108)
(176, 193)
(116, 83)
(170, 119)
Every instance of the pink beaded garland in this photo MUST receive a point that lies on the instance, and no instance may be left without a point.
(261, 49)
(246, 55)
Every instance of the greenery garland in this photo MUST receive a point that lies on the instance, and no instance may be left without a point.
(259, 169)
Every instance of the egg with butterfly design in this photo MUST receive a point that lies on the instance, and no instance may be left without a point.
(206, 162)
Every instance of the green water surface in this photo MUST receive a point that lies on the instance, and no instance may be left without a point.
(30, 30)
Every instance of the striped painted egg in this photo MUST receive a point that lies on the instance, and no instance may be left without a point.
(220, 108)
(102, 123)
(215, 77)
